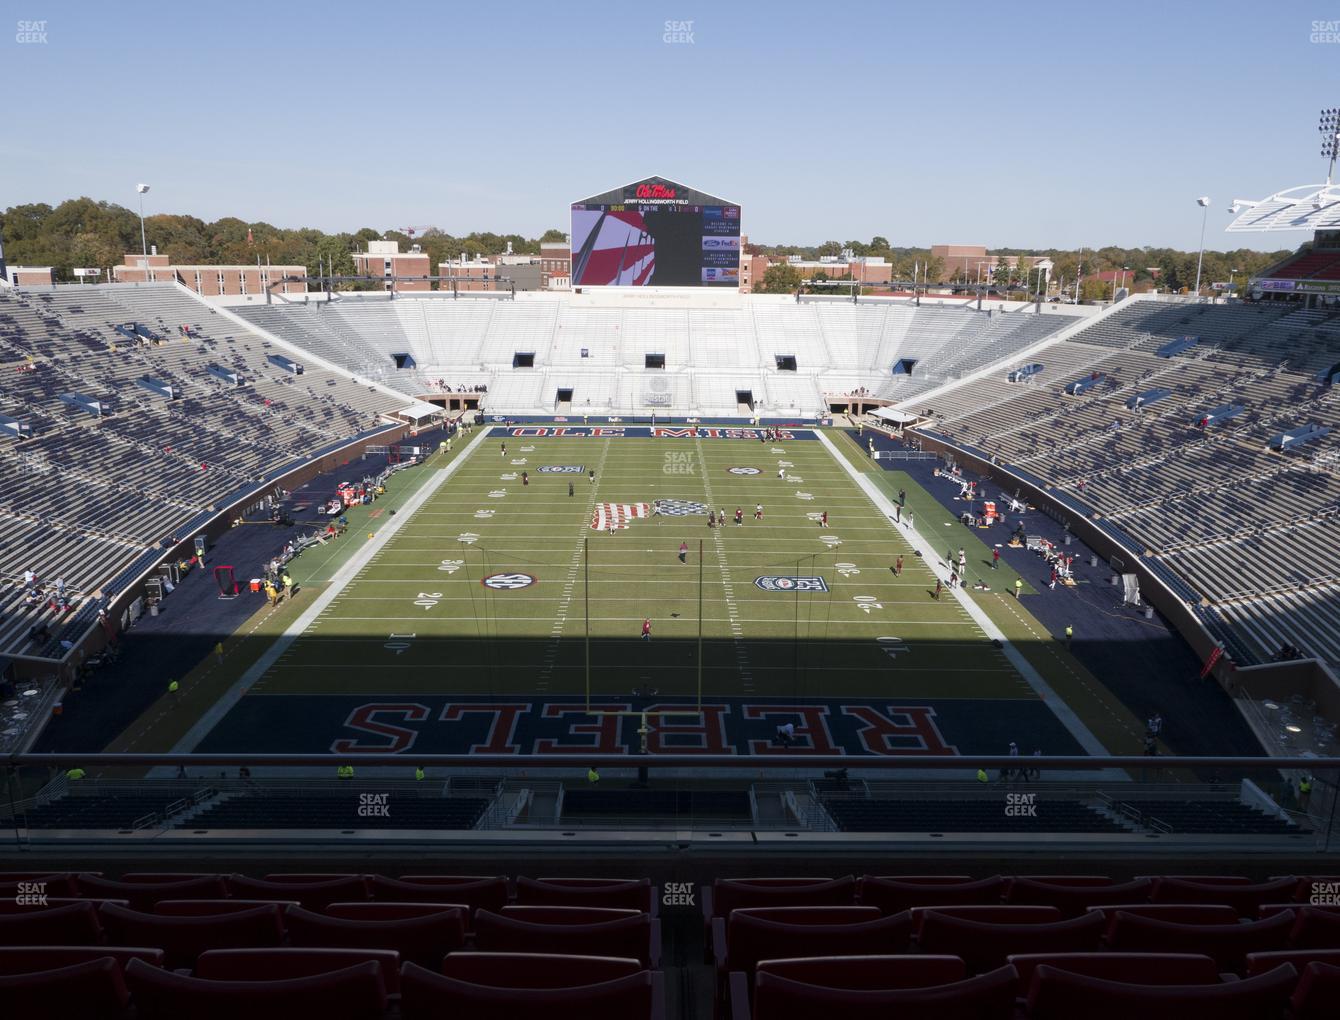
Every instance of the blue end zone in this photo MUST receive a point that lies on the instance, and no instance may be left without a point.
(446, 724)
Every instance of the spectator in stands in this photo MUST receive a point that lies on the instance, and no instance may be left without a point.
(593, 775)
(786, 734)
(40, 633)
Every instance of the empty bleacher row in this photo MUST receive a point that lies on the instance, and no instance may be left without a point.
(837, 347)
(365, 947)
(1246, 528)
(88, 490)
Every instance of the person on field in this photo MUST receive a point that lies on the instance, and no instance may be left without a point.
(646, 629)
(758, 511)
(823, 519)
(739, 515)
(683, 552)
(898, 567)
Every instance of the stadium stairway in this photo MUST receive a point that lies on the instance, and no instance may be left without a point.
(194, 619)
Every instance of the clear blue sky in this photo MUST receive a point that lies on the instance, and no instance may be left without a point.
(1025, 124)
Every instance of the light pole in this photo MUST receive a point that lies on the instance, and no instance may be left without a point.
(1204, 203)
(1231, 272)
(144, 247)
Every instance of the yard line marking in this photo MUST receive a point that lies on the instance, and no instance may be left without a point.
(569, 585)
(728, 589)
(352, 567)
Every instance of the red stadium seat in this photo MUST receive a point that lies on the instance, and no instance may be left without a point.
(91, 990)
(1183, 913)
(1057, 994)
(429, 996)
(55, 883)
(425, 939)
(1306, 889)
(1229, 944)
(182, 939)
(777, 933)
(1132, 968)
(569, 915)
(630, 894)
(312, 892)
(849, 972)
(1259, 963)
(159, 877)
(892, 895)
(1317, 995)
(477, 893)
(27, 959)
(991, 913)
(73, 924)
(364, 911)
(209, 908)
(729, 894)
(536, 970)
(636, 935)
(1315, 928)
(51, 903)
(354, 993)
(1244, 898)
(984, 945)
(1073, 900)
(1087, 881)
(1204, 879)
(986, 997)
(283, 964)
(143, 895)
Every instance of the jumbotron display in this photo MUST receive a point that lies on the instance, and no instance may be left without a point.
(655, 233)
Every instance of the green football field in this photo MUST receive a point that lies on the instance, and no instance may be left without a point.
(495, 587)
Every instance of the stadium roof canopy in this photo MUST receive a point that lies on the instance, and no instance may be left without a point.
(1306, 207)
(653, 190)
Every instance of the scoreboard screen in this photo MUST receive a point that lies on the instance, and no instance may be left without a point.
(655, 237)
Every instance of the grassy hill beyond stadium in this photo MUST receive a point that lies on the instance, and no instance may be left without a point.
(467, 629)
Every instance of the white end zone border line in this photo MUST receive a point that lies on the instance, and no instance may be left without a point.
(1059, 708)
(337, 584)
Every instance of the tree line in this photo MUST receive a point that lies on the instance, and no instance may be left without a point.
(81, 232)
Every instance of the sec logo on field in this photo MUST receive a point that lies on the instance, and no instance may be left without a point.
(743, 470)
(775, 583)
(508, 582)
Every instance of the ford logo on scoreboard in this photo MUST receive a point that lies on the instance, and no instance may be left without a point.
(773, 582)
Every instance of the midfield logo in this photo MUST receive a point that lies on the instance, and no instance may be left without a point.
(677, 507)
(561, 469)
(775, 583)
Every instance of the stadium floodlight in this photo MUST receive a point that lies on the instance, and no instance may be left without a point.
(1330, 138)
(140, 189)
(1204, 203)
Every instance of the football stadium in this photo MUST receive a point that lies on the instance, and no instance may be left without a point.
(650, 622)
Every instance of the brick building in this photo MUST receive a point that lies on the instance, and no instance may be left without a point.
(386, 260)
(211, 281)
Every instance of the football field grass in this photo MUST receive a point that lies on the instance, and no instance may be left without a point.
(495, 584)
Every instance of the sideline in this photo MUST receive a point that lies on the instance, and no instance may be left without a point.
(346, 573)
(1041, 688)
